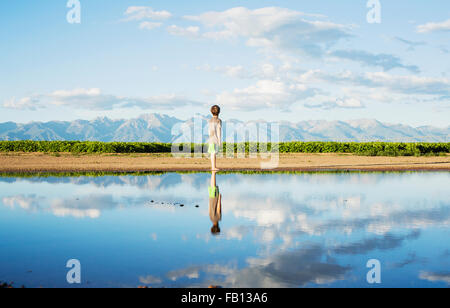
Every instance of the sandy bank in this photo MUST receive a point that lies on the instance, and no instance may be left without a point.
(39, 162)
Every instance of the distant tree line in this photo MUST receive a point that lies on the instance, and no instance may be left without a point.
(359, 148)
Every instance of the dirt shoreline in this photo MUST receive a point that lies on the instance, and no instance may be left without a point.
(66, 162)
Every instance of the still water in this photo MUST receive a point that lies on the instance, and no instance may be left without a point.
(253, 230)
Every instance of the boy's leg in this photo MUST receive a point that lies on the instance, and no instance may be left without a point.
(213, 180)
(213, 151)
(213, 161)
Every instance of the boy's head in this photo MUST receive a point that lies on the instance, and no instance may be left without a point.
(215, 230)
(215, 110)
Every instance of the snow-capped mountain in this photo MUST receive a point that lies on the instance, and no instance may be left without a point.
(163, 128)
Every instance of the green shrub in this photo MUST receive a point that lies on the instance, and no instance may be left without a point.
(359, 148)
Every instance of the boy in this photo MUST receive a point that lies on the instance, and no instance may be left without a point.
(215, 205)
(215, 136)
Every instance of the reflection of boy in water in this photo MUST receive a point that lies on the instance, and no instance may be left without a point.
(215, 205)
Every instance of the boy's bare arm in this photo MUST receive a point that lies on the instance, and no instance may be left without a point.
(219, 133)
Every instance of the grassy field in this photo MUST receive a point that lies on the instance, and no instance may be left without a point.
(363, 149)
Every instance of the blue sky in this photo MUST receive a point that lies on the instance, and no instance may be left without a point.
(272, 60)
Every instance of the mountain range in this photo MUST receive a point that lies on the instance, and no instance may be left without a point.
(160, 128)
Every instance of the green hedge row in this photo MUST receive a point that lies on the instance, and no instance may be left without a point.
(83, 147)
(359, 148)
(368, 148)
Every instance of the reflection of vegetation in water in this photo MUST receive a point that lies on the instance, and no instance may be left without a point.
(359, 148)
(5, 285)
(75, 174)
(159, 173)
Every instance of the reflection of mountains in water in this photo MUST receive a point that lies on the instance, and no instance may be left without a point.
(198, 180)
(159, 181)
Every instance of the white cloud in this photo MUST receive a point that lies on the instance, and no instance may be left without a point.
(76, 92)
(236, 71)
(411, 44)
(348, 103)
(148, 25)
(284, 31)
(385, 61)
(180, 31)
(329, 102)
(268, 70)
(94, 99)
(434, 27)
(23, 103)
(265, 94)
(410, 86)
(145, 12)
(273, 27)
(262, 71)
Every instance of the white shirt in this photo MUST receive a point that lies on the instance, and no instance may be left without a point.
(215, 131)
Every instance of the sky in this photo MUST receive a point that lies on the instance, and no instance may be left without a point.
(259, 60)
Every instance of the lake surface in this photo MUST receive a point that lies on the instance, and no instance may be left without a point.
(276, 230)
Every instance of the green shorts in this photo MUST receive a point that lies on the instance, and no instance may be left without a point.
(213, 191)
(213, 148)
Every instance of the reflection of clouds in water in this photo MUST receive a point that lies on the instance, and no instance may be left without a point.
(387, 242)
(282, 214)
(280, 226)
(192, 272)
(419, 219)
(148, 182)
(446, 254)
(435, 276)
(290, 269)
(29, 203)
(88, 213)
(411, 259)
(264, 216)
(89, 206)
(283, 204)
(296, 268)
(236, 232)
(318, 216)
(312, 263)
(148, 280)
